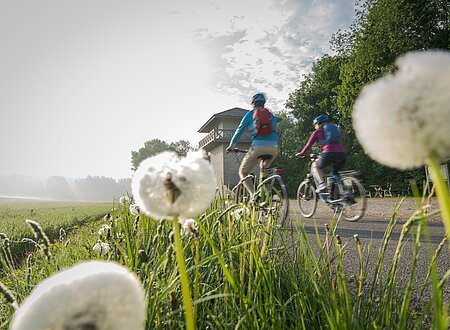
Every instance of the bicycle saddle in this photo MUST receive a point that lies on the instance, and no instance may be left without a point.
(265, 157)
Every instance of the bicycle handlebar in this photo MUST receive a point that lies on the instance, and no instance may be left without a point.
(239, 150)
(311, 156)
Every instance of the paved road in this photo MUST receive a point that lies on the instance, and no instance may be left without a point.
(374, 223)
(371, 229)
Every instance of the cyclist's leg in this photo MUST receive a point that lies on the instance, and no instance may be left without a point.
(248, 163)
(317, 168)
(339, 160)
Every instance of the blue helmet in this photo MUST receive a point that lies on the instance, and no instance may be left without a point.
(321, 119)
(260, 97)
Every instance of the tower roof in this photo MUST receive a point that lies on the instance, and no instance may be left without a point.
(230, 113)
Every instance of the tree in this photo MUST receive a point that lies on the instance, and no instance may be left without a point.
(382, 30)
(156, 146)
(181, 147)
(291, 140)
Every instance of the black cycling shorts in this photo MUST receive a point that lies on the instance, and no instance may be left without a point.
(334, 159)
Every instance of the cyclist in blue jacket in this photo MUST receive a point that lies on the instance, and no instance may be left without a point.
(261, 144)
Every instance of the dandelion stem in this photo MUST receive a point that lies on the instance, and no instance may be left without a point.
(183, 277)
(441, 193)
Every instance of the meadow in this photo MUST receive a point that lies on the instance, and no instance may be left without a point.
(52, 216)
(244, 273)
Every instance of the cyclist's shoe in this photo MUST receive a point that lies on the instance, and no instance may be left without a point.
(321, 187)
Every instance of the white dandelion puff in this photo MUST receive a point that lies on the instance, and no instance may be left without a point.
(92, 295)
(241, 212)
(124, 199)
(104, 230)
(166, 186)
(101, 248)
(403, 118)
(134, 209)
(190, 228)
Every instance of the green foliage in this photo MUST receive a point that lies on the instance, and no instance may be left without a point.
(156, 146)
(291, 137)
(382, 31)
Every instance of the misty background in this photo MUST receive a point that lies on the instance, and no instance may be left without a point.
(91, 188)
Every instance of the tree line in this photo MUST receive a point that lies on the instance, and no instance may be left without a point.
(381, 31)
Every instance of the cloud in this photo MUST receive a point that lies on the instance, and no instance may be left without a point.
(279, 44)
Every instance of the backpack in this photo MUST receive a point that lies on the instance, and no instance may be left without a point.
(332, 134)
(262, 121)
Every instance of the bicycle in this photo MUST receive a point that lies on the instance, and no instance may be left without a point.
(271, 195)
(344, 194)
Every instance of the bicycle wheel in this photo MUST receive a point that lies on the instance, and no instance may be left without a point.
(355, 201)
(277, 200)
(306, 199)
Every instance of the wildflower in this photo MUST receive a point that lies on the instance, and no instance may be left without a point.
(134, 209)
(124, 199)
(403, 118)
(166, 186)
(190, 228)
(91, 295)
(101, 248)
(241, 212)
(104, 230)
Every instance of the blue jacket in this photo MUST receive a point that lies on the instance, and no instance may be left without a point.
(257, 140)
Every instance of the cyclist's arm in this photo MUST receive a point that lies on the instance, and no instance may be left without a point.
(245, 122)
(312, 139)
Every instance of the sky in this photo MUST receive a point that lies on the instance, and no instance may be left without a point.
(85, 82)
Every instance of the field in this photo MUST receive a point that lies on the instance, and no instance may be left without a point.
(51, 215)
(242, 272)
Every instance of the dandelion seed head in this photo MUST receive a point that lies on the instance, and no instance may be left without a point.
(403, 118)
(97, 295)
(241, 212)
(104, 229)
(101, 248)
(192, 185)
(124, 199)
(190, 228)
(134, 209)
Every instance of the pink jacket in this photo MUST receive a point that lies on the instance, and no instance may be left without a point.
(318, 135)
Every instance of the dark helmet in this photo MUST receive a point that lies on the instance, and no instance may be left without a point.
(258, 98)
(321, 119)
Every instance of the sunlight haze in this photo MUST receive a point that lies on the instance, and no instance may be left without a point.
(84, 83)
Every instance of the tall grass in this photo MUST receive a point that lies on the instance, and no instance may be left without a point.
(248, 274)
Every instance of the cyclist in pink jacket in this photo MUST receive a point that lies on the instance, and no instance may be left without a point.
(333, 152)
